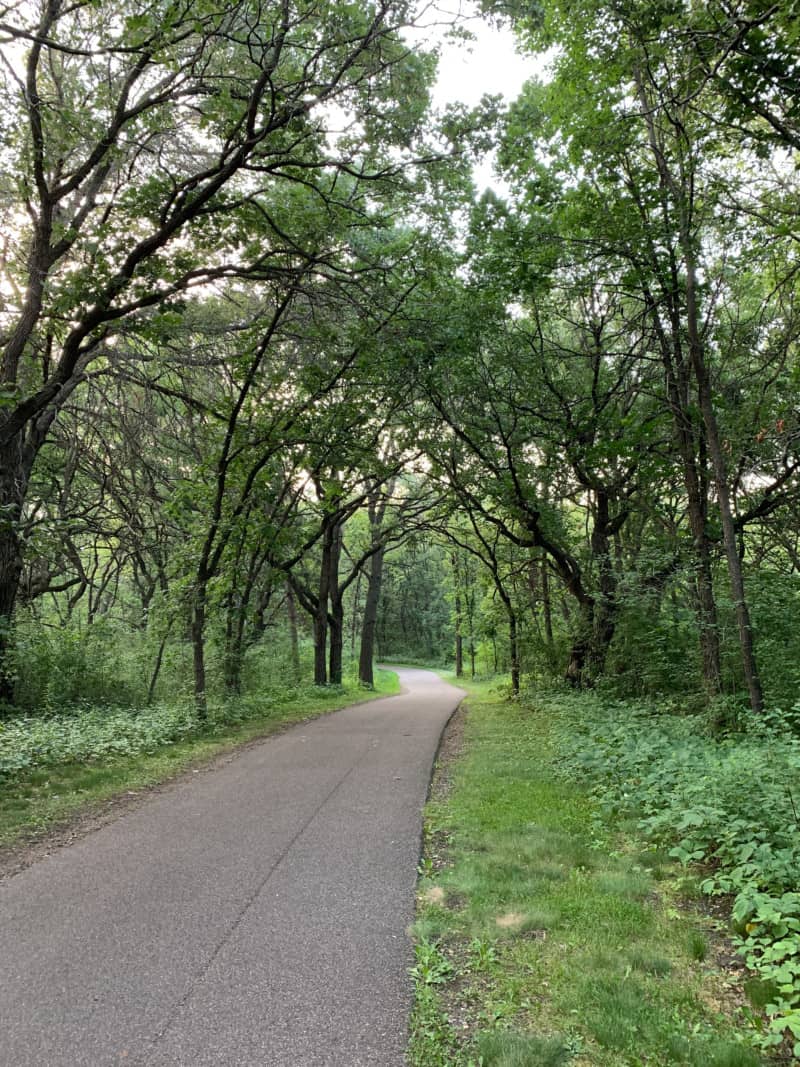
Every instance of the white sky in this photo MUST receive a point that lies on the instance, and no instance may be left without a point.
(489, 64)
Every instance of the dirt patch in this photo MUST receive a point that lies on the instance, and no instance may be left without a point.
(434, 895)
(511, 920)
(451, 748)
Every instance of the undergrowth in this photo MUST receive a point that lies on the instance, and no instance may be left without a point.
(549, 931)
(53, 765)
(726, 804)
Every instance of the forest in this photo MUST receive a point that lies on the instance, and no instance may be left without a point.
(283, 394)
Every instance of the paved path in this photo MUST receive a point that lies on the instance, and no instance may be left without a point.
(254, 915)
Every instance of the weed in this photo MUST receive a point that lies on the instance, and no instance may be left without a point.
(482, 954)
(698, 946)
(431, 967)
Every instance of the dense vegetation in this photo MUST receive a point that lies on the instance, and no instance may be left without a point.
(279, 390)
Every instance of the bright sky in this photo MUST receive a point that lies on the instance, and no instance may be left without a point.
(489, 64)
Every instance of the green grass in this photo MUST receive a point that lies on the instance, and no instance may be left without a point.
(45, 796)
(586, 957)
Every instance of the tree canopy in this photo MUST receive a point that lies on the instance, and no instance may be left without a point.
(274, 371)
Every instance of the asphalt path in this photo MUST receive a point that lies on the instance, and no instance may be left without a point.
(255, 914)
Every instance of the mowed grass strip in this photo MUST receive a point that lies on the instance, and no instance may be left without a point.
(41, 799)
(542, 941)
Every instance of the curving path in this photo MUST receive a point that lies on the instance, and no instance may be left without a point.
(254, 915)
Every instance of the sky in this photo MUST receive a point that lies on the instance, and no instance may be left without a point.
(469, 70)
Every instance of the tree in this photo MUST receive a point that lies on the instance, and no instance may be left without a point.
(151, 151)
(641, 158)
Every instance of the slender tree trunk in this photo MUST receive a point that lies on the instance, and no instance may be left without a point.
(354, 628)
(723, 495)
(605, 604)
(198, 627)
(513, 644)
(459, 616)
(232, 669)
(367, 650)
(547, 607)
(336, 620)
(151, 689)
(321, 615)
(690, 436)
(691, 449)
(294, 644)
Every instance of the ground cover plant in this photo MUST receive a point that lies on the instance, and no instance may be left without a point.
(53, 766)
(726, 803)
(549, 932)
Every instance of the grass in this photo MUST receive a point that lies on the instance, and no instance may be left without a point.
(587, 953)
(42, 798)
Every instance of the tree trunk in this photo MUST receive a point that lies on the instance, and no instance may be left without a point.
(367, 650)
(576, 666)
(690, 436)
(458, 619)
(749, 666)
(321, 611)
(232, 669)
(14, 474)
(198, 627)
(336, 620)
(354, 627)
(604, 612)
(294, 644)
(546, 604)
(320, 648)
(151, 689)
(513, 644)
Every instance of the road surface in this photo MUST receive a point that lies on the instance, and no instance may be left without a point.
(255, 914)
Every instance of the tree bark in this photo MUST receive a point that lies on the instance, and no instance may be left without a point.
(151, 689)
(198, 627)
(321, 614)
(513, 645)
(367, 649)
(15, 468)
(458, 620)
(336, 618)
(547, 608)
(604, 608)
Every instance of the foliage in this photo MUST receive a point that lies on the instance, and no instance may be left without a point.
(727, 804)
(88, 733)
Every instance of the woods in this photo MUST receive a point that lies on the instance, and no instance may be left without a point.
(267, 351)
(283, 393)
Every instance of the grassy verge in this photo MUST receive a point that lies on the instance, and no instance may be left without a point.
(40, 798)
(547, 936)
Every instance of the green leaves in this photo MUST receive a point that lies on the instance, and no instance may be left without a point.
(725, 806)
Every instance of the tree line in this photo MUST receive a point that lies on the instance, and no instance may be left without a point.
(275, 376)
